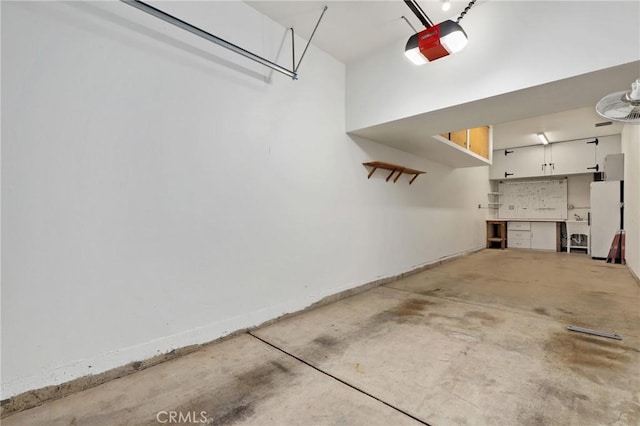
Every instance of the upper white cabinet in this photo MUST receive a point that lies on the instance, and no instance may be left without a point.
(526, 162)
(499, 165)
(563, 158)
(607, 145)
(572, 157)
(516, 163)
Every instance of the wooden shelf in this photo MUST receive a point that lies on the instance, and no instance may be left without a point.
(393, 168)
(497, 233)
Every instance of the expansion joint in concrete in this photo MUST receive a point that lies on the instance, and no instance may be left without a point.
(338, 379)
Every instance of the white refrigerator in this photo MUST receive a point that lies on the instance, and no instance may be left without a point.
(605, 216)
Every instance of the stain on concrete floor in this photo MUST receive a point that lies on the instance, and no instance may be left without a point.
(239, 398)
(592, 357)
(541, 311)
(448, 345)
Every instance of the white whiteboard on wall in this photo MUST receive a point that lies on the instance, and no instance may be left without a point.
(543, 199)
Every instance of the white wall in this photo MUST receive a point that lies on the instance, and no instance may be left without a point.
(631, 150)
(549, 41)
(157, 192)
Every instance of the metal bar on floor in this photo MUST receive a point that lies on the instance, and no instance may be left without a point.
(594, 332)
(210, 37)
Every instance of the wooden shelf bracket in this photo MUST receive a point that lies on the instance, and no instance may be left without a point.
(393, 168)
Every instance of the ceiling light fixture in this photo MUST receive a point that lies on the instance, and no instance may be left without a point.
(436, 41)
(446, 5)
(543, 138)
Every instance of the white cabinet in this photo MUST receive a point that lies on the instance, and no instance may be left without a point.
(518, 226)
(606, 145)
(519, 239)
(519, 234)
(543, 235)
(526, 162)
(583, 156)
(516, 163)
(572, 157)
(531, 235)
(562, 158)
(548, 165)
(512, 242)
(499, 166)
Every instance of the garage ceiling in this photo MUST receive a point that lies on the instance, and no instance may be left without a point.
(352, 29)
(563, 126)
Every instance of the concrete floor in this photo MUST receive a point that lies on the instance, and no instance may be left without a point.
(479, 341)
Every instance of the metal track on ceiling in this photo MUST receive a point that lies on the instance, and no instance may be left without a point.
(293, 73)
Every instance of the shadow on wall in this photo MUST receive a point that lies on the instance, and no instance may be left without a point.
(441, 187)
(111, 25)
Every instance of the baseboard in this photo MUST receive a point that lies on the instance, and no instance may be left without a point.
(368, 286)
(184, 343)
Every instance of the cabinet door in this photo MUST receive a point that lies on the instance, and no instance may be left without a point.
(499, 166)
(606, 145)
(572, 157)
(479, 141)
(458, 137)
(548, 160)
(526, 162)
(543, 235)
